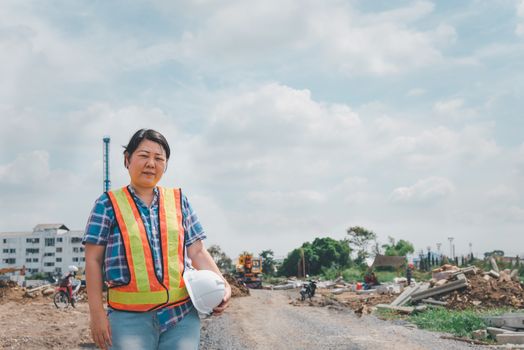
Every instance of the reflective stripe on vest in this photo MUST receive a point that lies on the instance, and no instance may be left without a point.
(145, 291)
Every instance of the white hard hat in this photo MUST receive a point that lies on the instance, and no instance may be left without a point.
(72, 268)
(206, 289)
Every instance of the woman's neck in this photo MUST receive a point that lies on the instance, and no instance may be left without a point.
(145, 194)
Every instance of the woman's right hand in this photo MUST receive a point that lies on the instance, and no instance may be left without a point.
(100, 330)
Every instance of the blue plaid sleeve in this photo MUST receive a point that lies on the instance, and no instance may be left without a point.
(99, 222)
(192, 226)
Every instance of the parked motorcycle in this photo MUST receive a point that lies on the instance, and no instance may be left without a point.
(308, 290)
(65, 294)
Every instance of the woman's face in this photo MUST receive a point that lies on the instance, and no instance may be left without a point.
(147, 164)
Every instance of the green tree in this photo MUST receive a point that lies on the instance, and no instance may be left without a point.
(268, 261)
(359, 239)
(223, 261)
(321, 253)
(400, 248)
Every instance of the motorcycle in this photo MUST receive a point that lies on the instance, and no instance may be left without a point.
(65, 294)
(308, 290)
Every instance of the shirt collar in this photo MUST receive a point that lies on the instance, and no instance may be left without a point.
(138, 200)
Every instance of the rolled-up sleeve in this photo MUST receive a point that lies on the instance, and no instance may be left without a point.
(193, 229)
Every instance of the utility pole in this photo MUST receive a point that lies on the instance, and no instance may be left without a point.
(451, 249)
(107, 181)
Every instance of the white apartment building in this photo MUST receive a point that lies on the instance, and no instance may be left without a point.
(49, 248)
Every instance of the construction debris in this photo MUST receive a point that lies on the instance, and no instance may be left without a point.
(237, 289)
(460, 289)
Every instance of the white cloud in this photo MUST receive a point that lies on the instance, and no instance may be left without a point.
(334, 33)
(426, 190)
(416, 92)
(519, 30)
(28, 168)
(449, 106)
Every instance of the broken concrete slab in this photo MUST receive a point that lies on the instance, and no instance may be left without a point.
(510, 338)
(515, 275)
(494, 273)
(493, 331)
(449, 287)
(494, 264)
(514, 321)
(402, 298)
(434, 302)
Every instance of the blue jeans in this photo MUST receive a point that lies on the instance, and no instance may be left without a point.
(141, 331)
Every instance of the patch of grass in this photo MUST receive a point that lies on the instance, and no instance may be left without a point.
(385, 314)
(385, 276)
(268, 280)
(459, 323)
(352, 274)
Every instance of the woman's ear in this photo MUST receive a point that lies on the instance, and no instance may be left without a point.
(126, 160)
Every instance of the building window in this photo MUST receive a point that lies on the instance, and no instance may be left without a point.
(76, 239)
(32, 250)
(75, 259)
(58, 259)
(76, 250)
(9, 261)
(32, 240)
(28, 260)
(82, 259)
(5, 250)
(47, 264)
(58, 269)
(82, 249)
(49, 242)
(5, 241)
(49, 254)
(59, 249)
(35, 259)
(59, 239)
(12, 251)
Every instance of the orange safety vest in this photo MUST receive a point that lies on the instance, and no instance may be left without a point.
(145, 291)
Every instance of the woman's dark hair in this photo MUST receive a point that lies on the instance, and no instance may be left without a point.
(146, 134)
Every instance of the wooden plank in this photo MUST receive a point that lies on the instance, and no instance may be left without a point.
(510, 338)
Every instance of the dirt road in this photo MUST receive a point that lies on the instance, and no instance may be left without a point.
(266, 320)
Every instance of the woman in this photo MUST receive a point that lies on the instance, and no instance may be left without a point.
(144, 236)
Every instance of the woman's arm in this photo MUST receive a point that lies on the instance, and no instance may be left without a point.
(202, 260)
(99, 324)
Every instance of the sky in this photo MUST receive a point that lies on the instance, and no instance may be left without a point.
(288, 120)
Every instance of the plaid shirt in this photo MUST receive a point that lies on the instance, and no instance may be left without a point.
(102, 229)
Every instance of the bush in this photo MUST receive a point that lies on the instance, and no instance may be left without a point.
(352, 274)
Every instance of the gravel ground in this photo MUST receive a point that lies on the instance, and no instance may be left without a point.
(266, 320)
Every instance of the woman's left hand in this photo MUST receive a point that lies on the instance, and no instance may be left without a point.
(225, 302)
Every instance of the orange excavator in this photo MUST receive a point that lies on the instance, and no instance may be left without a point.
(248, 270)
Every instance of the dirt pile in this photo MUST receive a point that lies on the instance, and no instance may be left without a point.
(482, 293)
(237, 289)
(359, 303)
(10, 291)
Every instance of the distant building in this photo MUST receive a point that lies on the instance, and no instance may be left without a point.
(49, 248)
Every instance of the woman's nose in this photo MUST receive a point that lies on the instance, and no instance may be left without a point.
(150, 162)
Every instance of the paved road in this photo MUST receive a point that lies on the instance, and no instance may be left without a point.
(267, 320)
